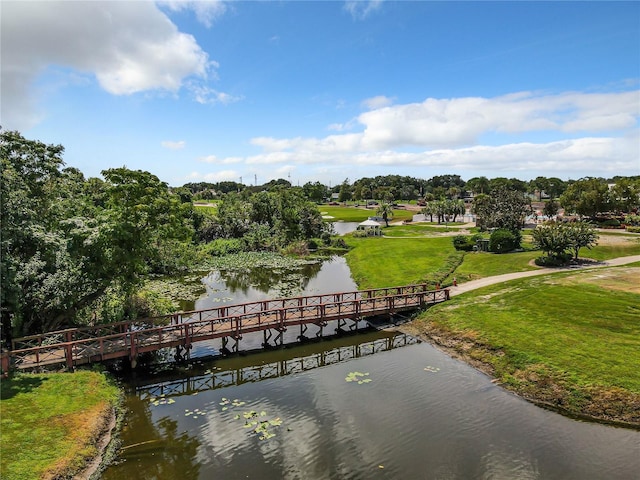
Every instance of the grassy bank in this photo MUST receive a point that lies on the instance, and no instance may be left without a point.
(385, 262)
(50, 422)
(567, 340)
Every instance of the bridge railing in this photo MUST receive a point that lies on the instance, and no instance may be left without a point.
(74, 346)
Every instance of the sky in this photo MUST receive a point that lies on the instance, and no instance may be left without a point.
(326, 91)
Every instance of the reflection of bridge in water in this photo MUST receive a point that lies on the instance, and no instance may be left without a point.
(212, 379)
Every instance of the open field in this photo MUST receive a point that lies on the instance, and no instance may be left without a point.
(358, 214)
(50, 422)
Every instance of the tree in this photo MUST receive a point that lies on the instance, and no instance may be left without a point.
(504, 208)
(345, 191)
(586, 197)
(625, 195)
(385, 210)
(68, 242)
(315, 192)
(555, 239)
(478, 185)
(552, 239)
(551, 208)
(581, 235)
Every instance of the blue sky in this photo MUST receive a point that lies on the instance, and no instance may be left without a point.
(323, 91)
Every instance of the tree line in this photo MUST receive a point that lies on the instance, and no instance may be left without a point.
(75, 250)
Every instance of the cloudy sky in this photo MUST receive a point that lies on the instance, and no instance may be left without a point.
(323, 91)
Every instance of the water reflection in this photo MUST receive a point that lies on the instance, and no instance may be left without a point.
(423, 415)
(332, 275)
(161, 450)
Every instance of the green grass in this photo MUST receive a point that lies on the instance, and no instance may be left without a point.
(353, 214)
(419, 230)
(384, 262)
(584, 331)
(210, 209)
(49, 422)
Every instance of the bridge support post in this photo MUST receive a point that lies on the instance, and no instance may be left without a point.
(68, 350)
(5, 363)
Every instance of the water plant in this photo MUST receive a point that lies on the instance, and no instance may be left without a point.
(357, 377)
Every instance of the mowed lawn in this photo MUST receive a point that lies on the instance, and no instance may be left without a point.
(357, 214)
(386, 262)
(49, 422)
(584, 325)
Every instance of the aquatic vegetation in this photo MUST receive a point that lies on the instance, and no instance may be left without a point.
(161, 400)
(256, 422)
(357, 377)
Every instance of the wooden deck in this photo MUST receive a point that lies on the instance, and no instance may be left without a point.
(79, 346)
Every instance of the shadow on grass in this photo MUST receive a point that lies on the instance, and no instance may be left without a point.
(19, 384)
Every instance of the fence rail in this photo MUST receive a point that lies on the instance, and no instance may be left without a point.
(76, 346)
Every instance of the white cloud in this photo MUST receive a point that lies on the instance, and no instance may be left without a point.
(207, 11)
(129, 47)
(205, 95)
(361, 9)
(461, 121)
(171, 145)
(374, 103)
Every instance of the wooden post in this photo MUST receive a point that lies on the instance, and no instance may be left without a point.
(68, 349)
(5, 363)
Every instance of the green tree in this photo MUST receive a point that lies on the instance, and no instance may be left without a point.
(345, 191)
(586, 197)
(478, 185)
(385, 210)
(581, 235)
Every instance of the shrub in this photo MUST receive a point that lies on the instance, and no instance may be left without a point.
(632, 220)
(553, 260)
(633, 229)
(611, 222)
(463, 242)
(503, 241)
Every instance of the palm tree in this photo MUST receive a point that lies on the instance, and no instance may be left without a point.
(385, 210)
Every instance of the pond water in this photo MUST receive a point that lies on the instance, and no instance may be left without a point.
(370, 405)
(342, 228)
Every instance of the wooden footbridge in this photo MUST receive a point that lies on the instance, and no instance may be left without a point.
(77, 346)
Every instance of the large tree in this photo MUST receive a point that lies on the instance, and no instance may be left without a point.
(504, 208)
(586, 197)
(67, 241)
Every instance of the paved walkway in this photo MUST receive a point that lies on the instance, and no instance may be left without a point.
(483, 282)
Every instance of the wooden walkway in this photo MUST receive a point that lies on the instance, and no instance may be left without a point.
(79, 346)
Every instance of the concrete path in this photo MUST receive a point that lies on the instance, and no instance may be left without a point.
(483, 282)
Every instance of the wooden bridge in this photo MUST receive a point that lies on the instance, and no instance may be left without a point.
(84, 345)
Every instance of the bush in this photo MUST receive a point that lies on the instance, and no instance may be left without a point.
(503, 241)
(222, 247)
(611, 222)
(633, 229)
(463, 242)
(553, 261)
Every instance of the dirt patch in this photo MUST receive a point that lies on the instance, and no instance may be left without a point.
(621, 279)
(535, 383)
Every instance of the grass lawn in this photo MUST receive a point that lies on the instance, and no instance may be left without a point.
(355, 214)
(579, 328)
(49, 422)
(419, 229)
(384, 262)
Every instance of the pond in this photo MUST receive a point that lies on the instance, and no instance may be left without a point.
(370, 405)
